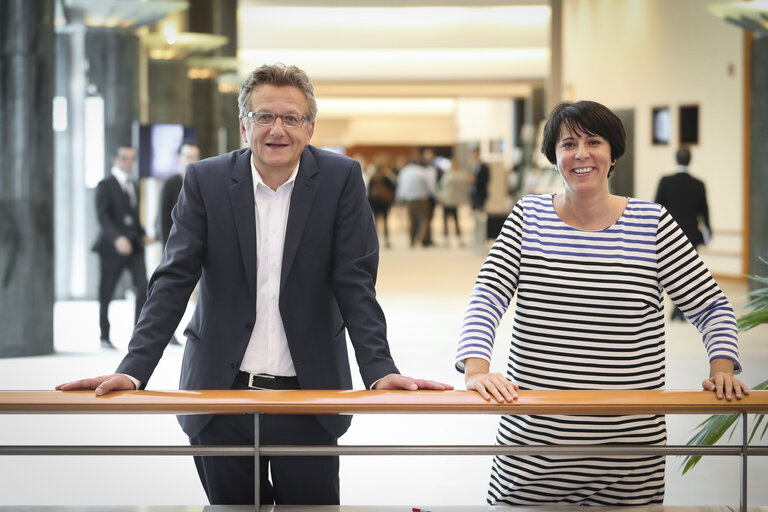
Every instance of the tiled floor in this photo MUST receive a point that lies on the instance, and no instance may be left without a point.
(356, 508)
(423, 293)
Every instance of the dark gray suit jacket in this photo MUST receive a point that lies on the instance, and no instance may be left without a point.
(116, 217)
(685, 198)
(330, 261)
(169, 193)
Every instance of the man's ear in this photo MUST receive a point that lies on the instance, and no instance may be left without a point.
(310, 131)
(243, 133)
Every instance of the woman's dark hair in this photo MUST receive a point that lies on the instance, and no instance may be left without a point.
(589, 118)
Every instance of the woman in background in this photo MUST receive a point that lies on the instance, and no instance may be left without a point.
(589, 269)
(452, 194)
(381, 195)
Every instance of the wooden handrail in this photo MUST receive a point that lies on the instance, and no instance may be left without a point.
(408, 402)
(348, 402)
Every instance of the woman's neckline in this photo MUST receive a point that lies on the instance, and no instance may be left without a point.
(606, 228)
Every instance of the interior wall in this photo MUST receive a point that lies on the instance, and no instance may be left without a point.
(630, 54)
(387, 131)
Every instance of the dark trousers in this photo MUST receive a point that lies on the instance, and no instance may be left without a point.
(418, 216)
(431, 213)
(294, 480)
(112, 267)
(478, 202)
(381, 211)
(448, 212)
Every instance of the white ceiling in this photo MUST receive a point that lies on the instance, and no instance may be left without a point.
(399, 41)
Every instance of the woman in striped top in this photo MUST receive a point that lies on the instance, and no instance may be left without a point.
(589, 269)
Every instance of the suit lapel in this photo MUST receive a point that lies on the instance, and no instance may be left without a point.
(135, 207)
(241, 196)
(304, 190)
(120, 194)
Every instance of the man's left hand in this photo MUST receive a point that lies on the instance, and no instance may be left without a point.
(397, 381)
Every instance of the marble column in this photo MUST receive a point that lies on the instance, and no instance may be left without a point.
(206, 105)
(758, 184)
(170, 92)
(229, 132)
(214, 113)
(26, 177)
(555, 81)
(74, 263)
(113, 69)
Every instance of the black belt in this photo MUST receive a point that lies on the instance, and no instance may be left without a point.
(261, 381)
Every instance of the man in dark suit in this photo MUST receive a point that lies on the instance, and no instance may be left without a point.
(282, 239)
(120, 243)
(685, 198)
(189, 152)
(479, 182)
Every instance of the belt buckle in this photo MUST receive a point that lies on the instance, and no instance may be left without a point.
(251, 376)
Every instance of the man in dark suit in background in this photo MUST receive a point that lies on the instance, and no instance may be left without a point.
(478, 181)
(282, 239)
(120, 243)
(188, 153)
(685, 198)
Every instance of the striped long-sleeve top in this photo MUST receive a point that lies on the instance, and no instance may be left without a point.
(589, 315)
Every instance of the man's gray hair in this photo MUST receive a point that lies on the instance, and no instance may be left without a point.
(279, 75)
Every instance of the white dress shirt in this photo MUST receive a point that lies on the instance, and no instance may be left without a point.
(267, 351)
(126, 183)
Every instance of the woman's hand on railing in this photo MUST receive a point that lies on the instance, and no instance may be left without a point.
(722, 381)
(489, 385)
(397, 381)
(103, 384)
(725, 384)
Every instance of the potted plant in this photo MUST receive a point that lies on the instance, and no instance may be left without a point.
(714, 427)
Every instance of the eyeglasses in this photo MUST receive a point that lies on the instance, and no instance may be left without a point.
(268, 119)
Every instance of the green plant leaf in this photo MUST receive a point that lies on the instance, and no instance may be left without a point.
(758, 421)
(750, 320)
(711, 430)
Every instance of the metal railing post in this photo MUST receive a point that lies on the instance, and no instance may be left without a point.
(257, 464)
(744, 463)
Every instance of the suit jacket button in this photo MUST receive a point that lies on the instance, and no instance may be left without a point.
(234, 365)
(249, 326)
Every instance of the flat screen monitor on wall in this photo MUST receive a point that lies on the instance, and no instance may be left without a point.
(159, 146)
(662, 125)
(689, 124)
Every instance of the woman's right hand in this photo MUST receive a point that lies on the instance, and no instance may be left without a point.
(489, 385)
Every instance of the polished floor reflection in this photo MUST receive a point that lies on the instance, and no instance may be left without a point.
(423, 292)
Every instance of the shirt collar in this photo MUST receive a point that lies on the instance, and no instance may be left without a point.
(118, 173)
(258, 181)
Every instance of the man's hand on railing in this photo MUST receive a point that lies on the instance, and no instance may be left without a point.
(489, 385)
(397, 381)
(103, 384)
